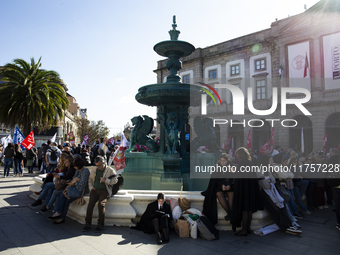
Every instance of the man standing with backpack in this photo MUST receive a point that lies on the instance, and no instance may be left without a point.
(52, 157)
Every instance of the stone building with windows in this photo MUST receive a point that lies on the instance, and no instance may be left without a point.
(301, 51)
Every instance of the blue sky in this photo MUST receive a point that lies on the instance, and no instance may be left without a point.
(103, 50)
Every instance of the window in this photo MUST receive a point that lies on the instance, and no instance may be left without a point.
(260, 64)
(186, 79)
(235, 70)
(261, 89)
(213, 74)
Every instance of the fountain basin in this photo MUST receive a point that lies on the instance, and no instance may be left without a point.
(174, 93)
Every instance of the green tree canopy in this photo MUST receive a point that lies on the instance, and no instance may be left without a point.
(95, 130)
(30, 96)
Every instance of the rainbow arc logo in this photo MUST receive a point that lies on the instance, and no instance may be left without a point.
(203, 86)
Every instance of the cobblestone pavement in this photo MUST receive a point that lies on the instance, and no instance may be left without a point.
(24, 231)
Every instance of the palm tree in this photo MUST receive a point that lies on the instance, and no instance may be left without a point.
(30, 96)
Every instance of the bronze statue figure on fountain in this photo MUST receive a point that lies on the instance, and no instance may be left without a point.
(206, 135)
(140, 133)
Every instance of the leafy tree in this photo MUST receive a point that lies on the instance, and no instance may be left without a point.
(83, 126)
(95, 130)
(30, 96)
(99, 130)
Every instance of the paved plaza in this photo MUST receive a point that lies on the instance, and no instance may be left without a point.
(24, 231)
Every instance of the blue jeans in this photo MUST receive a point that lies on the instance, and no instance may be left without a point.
(338, 205)
(17, 166)
(289, 212)
(7, 162)
(302, 185)
(292, 204)
(54, 198)
(299, 190)
(47, 192)
(63, 205)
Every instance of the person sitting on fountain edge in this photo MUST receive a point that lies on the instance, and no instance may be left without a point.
(156, 218)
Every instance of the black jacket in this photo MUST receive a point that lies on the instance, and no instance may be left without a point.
(9, 152)
(145, 221)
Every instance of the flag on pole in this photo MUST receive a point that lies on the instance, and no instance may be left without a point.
(71, 137)
(119, 158)
(306, 67)
(53, 138)
(5, 141)
(268, 144)
(249, 140)
(272, 140)
(29, 142)
(324, 142)
(226, 146)
(124, 142)
(86, 139)
(302, 142)
(18, 137)
(112, 141)
(264, 147)
(231, 151)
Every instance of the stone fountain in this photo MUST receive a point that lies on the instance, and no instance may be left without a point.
(168, 168)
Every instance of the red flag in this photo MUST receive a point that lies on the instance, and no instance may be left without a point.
(269, 142)
(119, 159)
(324, 142)
(226, 146)
(249, 140)
(272, 140)
(86, 139)
(28, 142)
(264, 147)
(306, 66)
(112, 141)
(71, 137)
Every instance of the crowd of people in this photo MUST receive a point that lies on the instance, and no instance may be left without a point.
(44, 158)
(286, 195)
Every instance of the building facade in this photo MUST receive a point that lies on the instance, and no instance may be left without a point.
(302, 51)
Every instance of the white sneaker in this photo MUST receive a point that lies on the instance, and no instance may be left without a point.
(320, 207)
(296, 225)
(293, 231)
(325, 206)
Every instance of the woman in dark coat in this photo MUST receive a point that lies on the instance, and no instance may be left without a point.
(247, 197)
(18, 158)
(219, 186)
(156, 218)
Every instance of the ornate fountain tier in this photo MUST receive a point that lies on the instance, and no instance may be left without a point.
(174, 47)
(169, 93)
(173, 92)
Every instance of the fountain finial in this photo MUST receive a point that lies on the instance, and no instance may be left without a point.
(174, 33)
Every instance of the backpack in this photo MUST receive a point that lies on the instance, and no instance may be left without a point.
(53, 155)
(206, 229)
(116, 187)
